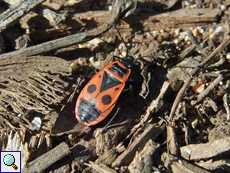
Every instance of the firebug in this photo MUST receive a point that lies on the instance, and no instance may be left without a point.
(100, 95)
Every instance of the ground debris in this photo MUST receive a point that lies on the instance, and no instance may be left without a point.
(43, 162)
(100, 167)
(177, 165)
(219, 165)
(176, 102)
(206, 150)
(31, 84)
(151, 132)
(143, 160)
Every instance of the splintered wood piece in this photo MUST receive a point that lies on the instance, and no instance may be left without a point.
(107, 157)
(183, 18)
(214, 165)
(143, 160)
(189, 15)
(53, 17)
(151, 132)
(119, 7)
(106, 141)
(152, 106)
(177, 165)
(47, 159)
(207, 150)
(30, 84)
(100, 167)
(81, 153)
(172, 145)
(15, 143)
(16, 12)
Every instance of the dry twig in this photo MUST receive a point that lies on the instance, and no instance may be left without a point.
(151, 132)
(188, 80)
(206, 150)
(47, 159)
(120, 7)
(16, 12)
(177, 165)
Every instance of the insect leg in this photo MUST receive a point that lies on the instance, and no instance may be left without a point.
(104, 129)
(75, 89)
(122, 100)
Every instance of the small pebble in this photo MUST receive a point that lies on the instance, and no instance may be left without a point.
(186, 38)
(176, 41)
(186, 3)
(74, 66)
(194, 123)
(37, 122)
(165, 35)
(177, 32)
(200, 30)
(228, 56)
(198, 88)
(160, 38)
(110, 7)
(223, 7)
(81, 46)
(94, 63)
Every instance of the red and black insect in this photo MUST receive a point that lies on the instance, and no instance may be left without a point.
(101, 94)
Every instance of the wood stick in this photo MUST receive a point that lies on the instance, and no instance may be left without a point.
(177, 165)
(209, 88)
(206, 150)
(117, 10)
(180, 94)
(151, 132)
(16, 12)
(47, 159)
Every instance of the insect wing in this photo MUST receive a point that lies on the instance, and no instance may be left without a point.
(108, 97)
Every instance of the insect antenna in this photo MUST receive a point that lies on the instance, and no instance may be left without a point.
(121, 38)
(118, 109)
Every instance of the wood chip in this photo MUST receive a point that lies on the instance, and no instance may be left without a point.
(177, 165)
(16, 12)
(100, 167)
(172, 145)
(47, 159)
(214, 165)
(143, 160)
(206, 150)
(151, 132)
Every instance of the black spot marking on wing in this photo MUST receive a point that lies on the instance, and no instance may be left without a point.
(91, 89)
(106, 99)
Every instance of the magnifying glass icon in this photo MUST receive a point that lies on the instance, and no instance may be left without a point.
(9, 160)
